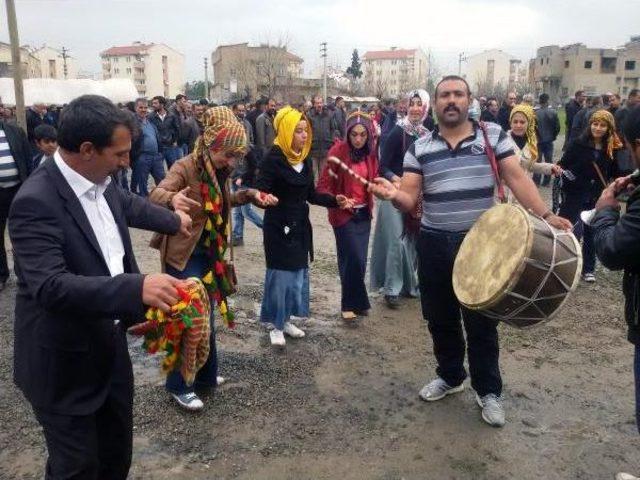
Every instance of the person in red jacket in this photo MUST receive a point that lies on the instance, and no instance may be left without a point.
(352, 226)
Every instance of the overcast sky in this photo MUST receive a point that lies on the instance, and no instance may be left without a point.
(445, 27)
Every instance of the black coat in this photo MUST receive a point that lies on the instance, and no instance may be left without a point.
(584, 191)
(20, 148)
(392, 152)
(487, 116)
(168, 129)
(288, 238)
(617, 242)
(67, 301)
(503, 117)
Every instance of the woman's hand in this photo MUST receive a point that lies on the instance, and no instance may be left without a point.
(556, 170)
(344, 202)
(261, 199)
(180, 201)
(383, 189)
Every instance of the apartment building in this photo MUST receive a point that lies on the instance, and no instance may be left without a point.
(30, 63)
(53, 64)
(561, 71)
(155, 68)
(241, 70)
(492, 71)
(390, 73)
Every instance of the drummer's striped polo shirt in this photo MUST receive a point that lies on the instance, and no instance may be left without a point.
(457, 182)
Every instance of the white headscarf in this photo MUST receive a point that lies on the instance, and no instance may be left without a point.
(417, 129)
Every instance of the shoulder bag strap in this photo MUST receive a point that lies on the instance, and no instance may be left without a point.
(494, 163)
(599, 172)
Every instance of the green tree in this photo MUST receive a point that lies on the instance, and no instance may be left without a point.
(195, 90)
(355, 70)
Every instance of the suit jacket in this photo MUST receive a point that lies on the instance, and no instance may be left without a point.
(67, 300)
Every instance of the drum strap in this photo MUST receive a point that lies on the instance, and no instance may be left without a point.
(494, 163)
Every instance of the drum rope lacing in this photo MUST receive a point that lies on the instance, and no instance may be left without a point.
(531, 301)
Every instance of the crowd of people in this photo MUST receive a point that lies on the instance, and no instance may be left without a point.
(421, 166)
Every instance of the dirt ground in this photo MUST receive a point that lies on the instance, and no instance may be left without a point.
(342, 403)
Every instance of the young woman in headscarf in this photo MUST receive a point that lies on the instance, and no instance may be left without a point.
(590, 158)
(352, 227)
(197, 184)
(393, 259)
(523, 133)
(287, 174)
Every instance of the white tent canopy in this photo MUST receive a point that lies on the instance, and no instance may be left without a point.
(58, 92)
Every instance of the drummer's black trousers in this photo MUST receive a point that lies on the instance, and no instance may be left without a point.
(437, 251)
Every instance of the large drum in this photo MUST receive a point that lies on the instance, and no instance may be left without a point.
(515, 267)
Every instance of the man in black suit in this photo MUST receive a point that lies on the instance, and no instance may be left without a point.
(79, 288)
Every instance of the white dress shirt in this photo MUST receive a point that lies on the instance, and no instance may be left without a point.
(95, 206)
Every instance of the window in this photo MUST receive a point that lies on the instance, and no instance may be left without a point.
(129, 70)
(608, 64)
(547, 60)
(542, 61)
(566, 64)
(565, 91)
(128, 59)
(116, 70)
(588, 64)
(630, 65)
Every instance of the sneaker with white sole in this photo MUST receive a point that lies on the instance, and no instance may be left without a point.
(220, 380)
(293, 331)
(438, 389)
(589, 277)
(277, 338)
(492, 410)
(626, 476)
(188, 401)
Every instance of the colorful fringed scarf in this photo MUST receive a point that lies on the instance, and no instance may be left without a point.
(183, 335)
(215, 242)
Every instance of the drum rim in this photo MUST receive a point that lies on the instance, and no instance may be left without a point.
(516, 273)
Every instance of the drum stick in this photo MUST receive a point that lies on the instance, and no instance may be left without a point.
(346, 168)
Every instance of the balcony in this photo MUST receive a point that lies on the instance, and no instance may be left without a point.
(138, 64)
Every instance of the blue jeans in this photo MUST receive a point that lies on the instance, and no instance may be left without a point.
(207, 375)
(145, 164)
(545, 150)
(636, 374)
(121, 176)
(437, 251)
(242, 212)
(171, 154)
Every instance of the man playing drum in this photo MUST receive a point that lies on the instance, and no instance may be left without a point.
(451, 170)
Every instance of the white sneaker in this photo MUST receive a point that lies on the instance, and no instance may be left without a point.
(626, 476)
(437, 389)
(293, 331)
(492, 410)
(220, 380)
(589, 277)
(277, 338)
(189, 401)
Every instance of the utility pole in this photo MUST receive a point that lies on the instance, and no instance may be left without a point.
(65, 55)
(461, 58)
(429, 69)
(206, 79)
(624, 59)
(17, 65)
(323, 54)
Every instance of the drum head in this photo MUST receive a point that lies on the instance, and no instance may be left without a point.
(492, 255)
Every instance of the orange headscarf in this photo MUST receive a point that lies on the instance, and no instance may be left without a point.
(614, 142)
